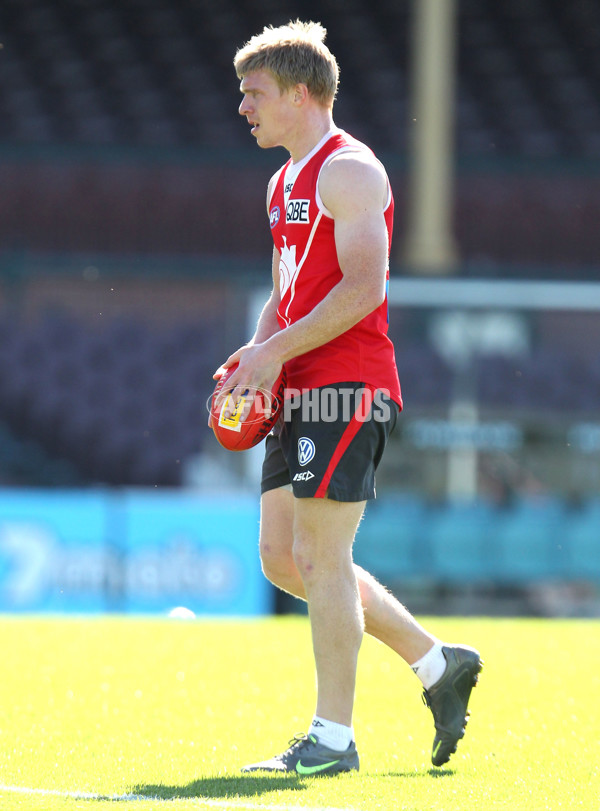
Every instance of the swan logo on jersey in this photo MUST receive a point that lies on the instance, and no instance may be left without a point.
(296, 211)
(306, 450)
(274, 218)
(288, 269)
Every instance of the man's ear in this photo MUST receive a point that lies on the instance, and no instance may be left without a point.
(300, 93)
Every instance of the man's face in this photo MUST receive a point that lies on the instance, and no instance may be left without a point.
(270, 112)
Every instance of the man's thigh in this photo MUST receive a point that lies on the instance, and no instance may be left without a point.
(277, 523)
(325, 529)
(324, 525)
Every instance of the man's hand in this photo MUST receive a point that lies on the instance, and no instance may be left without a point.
(257, 369)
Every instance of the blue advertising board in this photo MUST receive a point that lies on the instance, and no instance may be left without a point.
(134, 551)
(199, 552)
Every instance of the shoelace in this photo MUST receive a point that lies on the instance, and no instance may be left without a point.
(300, 740)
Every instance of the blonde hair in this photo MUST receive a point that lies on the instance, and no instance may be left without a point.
(294, 53)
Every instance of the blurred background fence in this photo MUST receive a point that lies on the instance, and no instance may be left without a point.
(134, 247)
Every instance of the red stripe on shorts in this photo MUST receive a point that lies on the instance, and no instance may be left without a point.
(349, 433)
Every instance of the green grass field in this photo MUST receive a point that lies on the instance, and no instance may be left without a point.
(132, 708)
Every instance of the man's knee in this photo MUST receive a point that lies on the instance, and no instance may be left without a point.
(303, 555)
(316, 559)
(277, 564)
(323, 535)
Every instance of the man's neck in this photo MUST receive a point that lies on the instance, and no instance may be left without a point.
(310, 135)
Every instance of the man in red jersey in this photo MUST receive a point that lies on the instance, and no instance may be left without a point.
(330, 209)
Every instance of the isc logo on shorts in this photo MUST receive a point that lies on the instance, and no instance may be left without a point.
(305, 476)
(297, 211)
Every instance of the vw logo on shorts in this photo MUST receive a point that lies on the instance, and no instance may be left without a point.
(306, 450)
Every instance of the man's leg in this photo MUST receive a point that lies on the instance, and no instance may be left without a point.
(323, 536)
(385, 617)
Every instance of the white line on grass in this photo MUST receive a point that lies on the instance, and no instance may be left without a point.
(125, 798)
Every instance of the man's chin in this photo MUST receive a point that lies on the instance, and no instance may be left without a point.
(264, 144)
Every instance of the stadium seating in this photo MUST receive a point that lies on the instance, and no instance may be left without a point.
(118, 125)
(125, 405)
(462, 541)
(425, 377)
(528, 541)
(158, 72)
(548, 379)
(582, 540)
(391, 541)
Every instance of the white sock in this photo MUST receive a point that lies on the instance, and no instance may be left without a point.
(430, 668)
(334, 736)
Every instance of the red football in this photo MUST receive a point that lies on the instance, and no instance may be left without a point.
(250, 418)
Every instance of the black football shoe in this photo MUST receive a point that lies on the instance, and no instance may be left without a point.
(449, 697)
(307, 757)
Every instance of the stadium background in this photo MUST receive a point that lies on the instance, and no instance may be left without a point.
(133, 245)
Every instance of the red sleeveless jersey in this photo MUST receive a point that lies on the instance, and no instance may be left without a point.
(303, 233)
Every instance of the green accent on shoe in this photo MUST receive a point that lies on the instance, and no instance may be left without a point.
(321, 767)
(306, 756)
